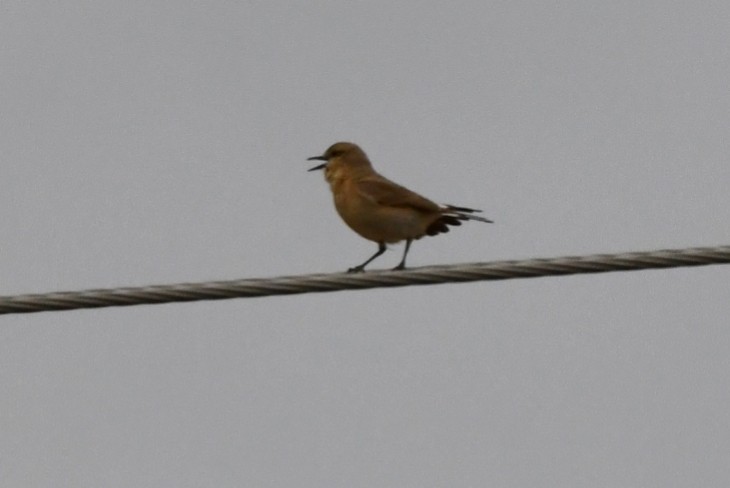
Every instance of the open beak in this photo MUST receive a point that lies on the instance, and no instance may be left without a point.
(319, 166)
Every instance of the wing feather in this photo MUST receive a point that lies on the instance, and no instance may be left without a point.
(382, 191)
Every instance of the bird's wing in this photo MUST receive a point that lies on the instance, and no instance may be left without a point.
(382, 191)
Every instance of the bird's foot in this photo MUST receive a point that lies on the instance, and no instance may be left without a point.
(400, 267)
(356, 269)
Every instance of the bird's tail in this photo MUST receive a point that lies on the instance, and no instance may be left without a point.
(452, 215)
(464, 213)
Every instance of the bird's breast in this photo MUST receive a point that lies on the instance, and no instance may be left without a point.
(375, 221)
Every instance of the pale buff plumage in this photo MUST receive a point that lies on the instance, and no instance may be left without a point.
(379, 209)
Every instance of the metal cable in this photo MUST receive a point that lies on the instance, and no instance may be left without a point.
(289, 285)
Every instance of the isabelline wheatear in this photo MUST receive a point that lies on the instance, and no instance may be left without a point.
(378, 209)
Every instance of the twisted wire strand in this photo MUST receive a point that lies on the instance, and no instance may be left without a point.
(289, 285)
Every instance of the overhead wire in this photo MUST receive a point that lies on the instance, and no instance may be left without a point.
(316, 283)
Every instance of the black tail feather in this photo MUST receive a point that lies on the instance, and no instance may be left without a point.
(462, 209)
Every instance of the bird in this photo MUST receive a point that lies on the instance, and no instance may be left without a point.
(379, 209)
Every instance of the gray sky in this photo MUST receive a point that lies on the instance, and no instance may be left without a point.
(163, 142)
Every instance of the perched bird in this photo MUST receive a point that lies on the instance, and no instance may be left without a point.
(379, 209)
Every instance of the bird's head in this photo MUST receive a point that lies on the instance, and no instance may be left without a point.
(342, 154)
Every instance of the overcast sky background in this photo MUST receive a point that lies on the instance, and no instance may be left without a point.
(162, 142)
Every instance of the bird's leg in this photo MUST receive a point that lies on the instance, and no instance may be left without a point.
(357, 269)
(402, 264)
